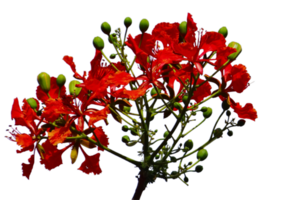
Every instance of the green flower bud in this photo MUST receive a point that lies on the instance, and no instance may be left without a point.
(186, 179)
(98, 43)
(241, 122)
(173, 159)
(208, 112)
(125, 128)
(112, 56)
(177, 106)
(157, 156)
(202, 154)
(189, 144)
(174, 173)
(183, 28)
(228, 113)
(60, 81)
(199, 168)
(73, 90)
(125, 139)
(224, 31)
(44, 81)
(134, 132)
(184, 99)
(225, 105)
(128, 22)
(166, 133)
(237, 46)
(218, 132)
(230, 133)
(204, 109)
(186, 149)
(189, 163)
(153, 91)
(144, 25)
(32, 102)
(106, 28)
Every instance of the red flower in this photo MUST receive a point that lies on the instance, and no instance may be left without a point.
(239, 77)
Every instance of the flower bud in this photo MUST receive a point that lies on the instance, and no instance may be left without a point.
(73, 90)
(224, 31)
(127, 22)
(41, 150)
(199, 168)
(44, 81)
(125, 139)
(241, 122)
(32, 102)
(174, 173)
(183, 28)
(166, 133)
(153, 91)
(230, 133)
(144, 25)
(157, 156)
(98, 43)
(236, 46)
(184, 99)
(74, 153)
(202, 154)
(112, 56)
(173, 159)
(188, 144)
(177, 106)
(186, 179)
(228, 113)
(125, 128)
(218, 133)
(208, 112)
(134, 132)
(225, 105)
(204, 109)
(190, 163)
(106, 28)
(60, 81)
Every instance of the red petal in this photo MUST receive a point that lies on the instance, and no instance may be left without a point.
(58, 135)
(91, 164)
(166, 33)
(246, 112)
(130, 94)
(147, 43)
(212, 41)
(121, 78)
(103, 138)
(191, 28)
(240, 78)
(96, 116)
(24, 140)
(16, 110)
(69, 61)
(27, 168)
(53, 109)
(52, 156)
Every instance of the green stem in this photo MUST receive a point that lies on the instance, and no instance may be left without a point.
(158, 93)
(109, 61)
(113, 152)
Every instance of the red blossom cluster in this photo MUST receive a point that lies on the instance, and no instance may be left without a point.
(63, 116)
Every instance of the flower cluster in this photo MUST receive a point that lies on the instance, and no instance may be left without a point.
(172, 52)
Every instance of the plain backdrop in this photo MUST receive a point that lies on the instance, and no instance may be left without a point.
(38, 47)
